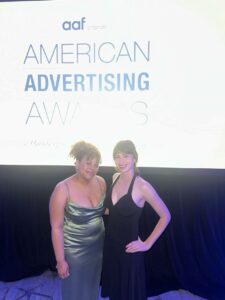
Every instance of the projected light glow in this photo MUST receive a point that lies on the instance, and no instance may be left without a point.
(148, 71)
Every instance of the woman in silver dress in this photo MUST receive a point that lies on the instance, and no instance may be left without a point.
(76, 209)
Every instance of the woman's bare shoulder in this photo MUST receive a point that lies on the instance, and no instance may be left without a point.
(102, 182)
(60, 187)
(143, 184)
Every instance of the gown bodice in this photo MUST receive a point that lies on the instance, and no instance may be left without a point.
(82, 223)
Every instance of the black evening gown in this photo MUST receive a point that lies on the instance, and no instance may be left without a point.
(123, 274)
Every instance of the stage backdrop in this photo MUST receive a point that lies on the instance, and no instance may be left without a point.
(150, 71)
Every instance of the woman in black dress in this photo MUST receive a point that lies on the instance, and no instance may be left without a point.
(123, 276)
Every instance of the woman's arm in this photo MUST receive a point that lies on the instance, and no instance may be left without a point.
(56, 209)
(149, 195)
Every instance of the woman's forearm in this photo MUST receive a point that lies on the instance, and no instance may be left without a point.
(158, 230)
(58, 244)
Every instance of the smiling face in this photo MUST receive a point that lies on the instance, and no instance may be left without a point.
(87, 167)
(124, 162)
(125, 156)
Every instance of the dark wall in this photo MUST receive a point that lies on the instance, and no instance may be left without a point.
(189, 255)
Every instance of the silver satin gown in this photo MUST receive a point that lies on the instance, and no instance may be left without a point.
(83, 243)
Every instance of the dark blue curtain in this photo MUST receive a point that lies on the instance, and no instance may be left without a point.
(189, 255)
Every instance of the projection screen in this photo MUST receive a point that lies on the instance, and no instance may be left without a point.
(104, 71)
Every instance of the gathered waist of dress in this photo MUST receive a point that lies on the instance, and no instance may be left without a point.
(83, 231)
(74, 220)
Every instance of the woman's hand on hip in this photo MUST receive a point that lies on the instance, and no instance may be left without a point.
(137, 246)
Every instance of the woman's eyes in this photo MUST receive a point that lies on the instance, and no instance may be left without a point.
(122, 156)
(89, 163)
